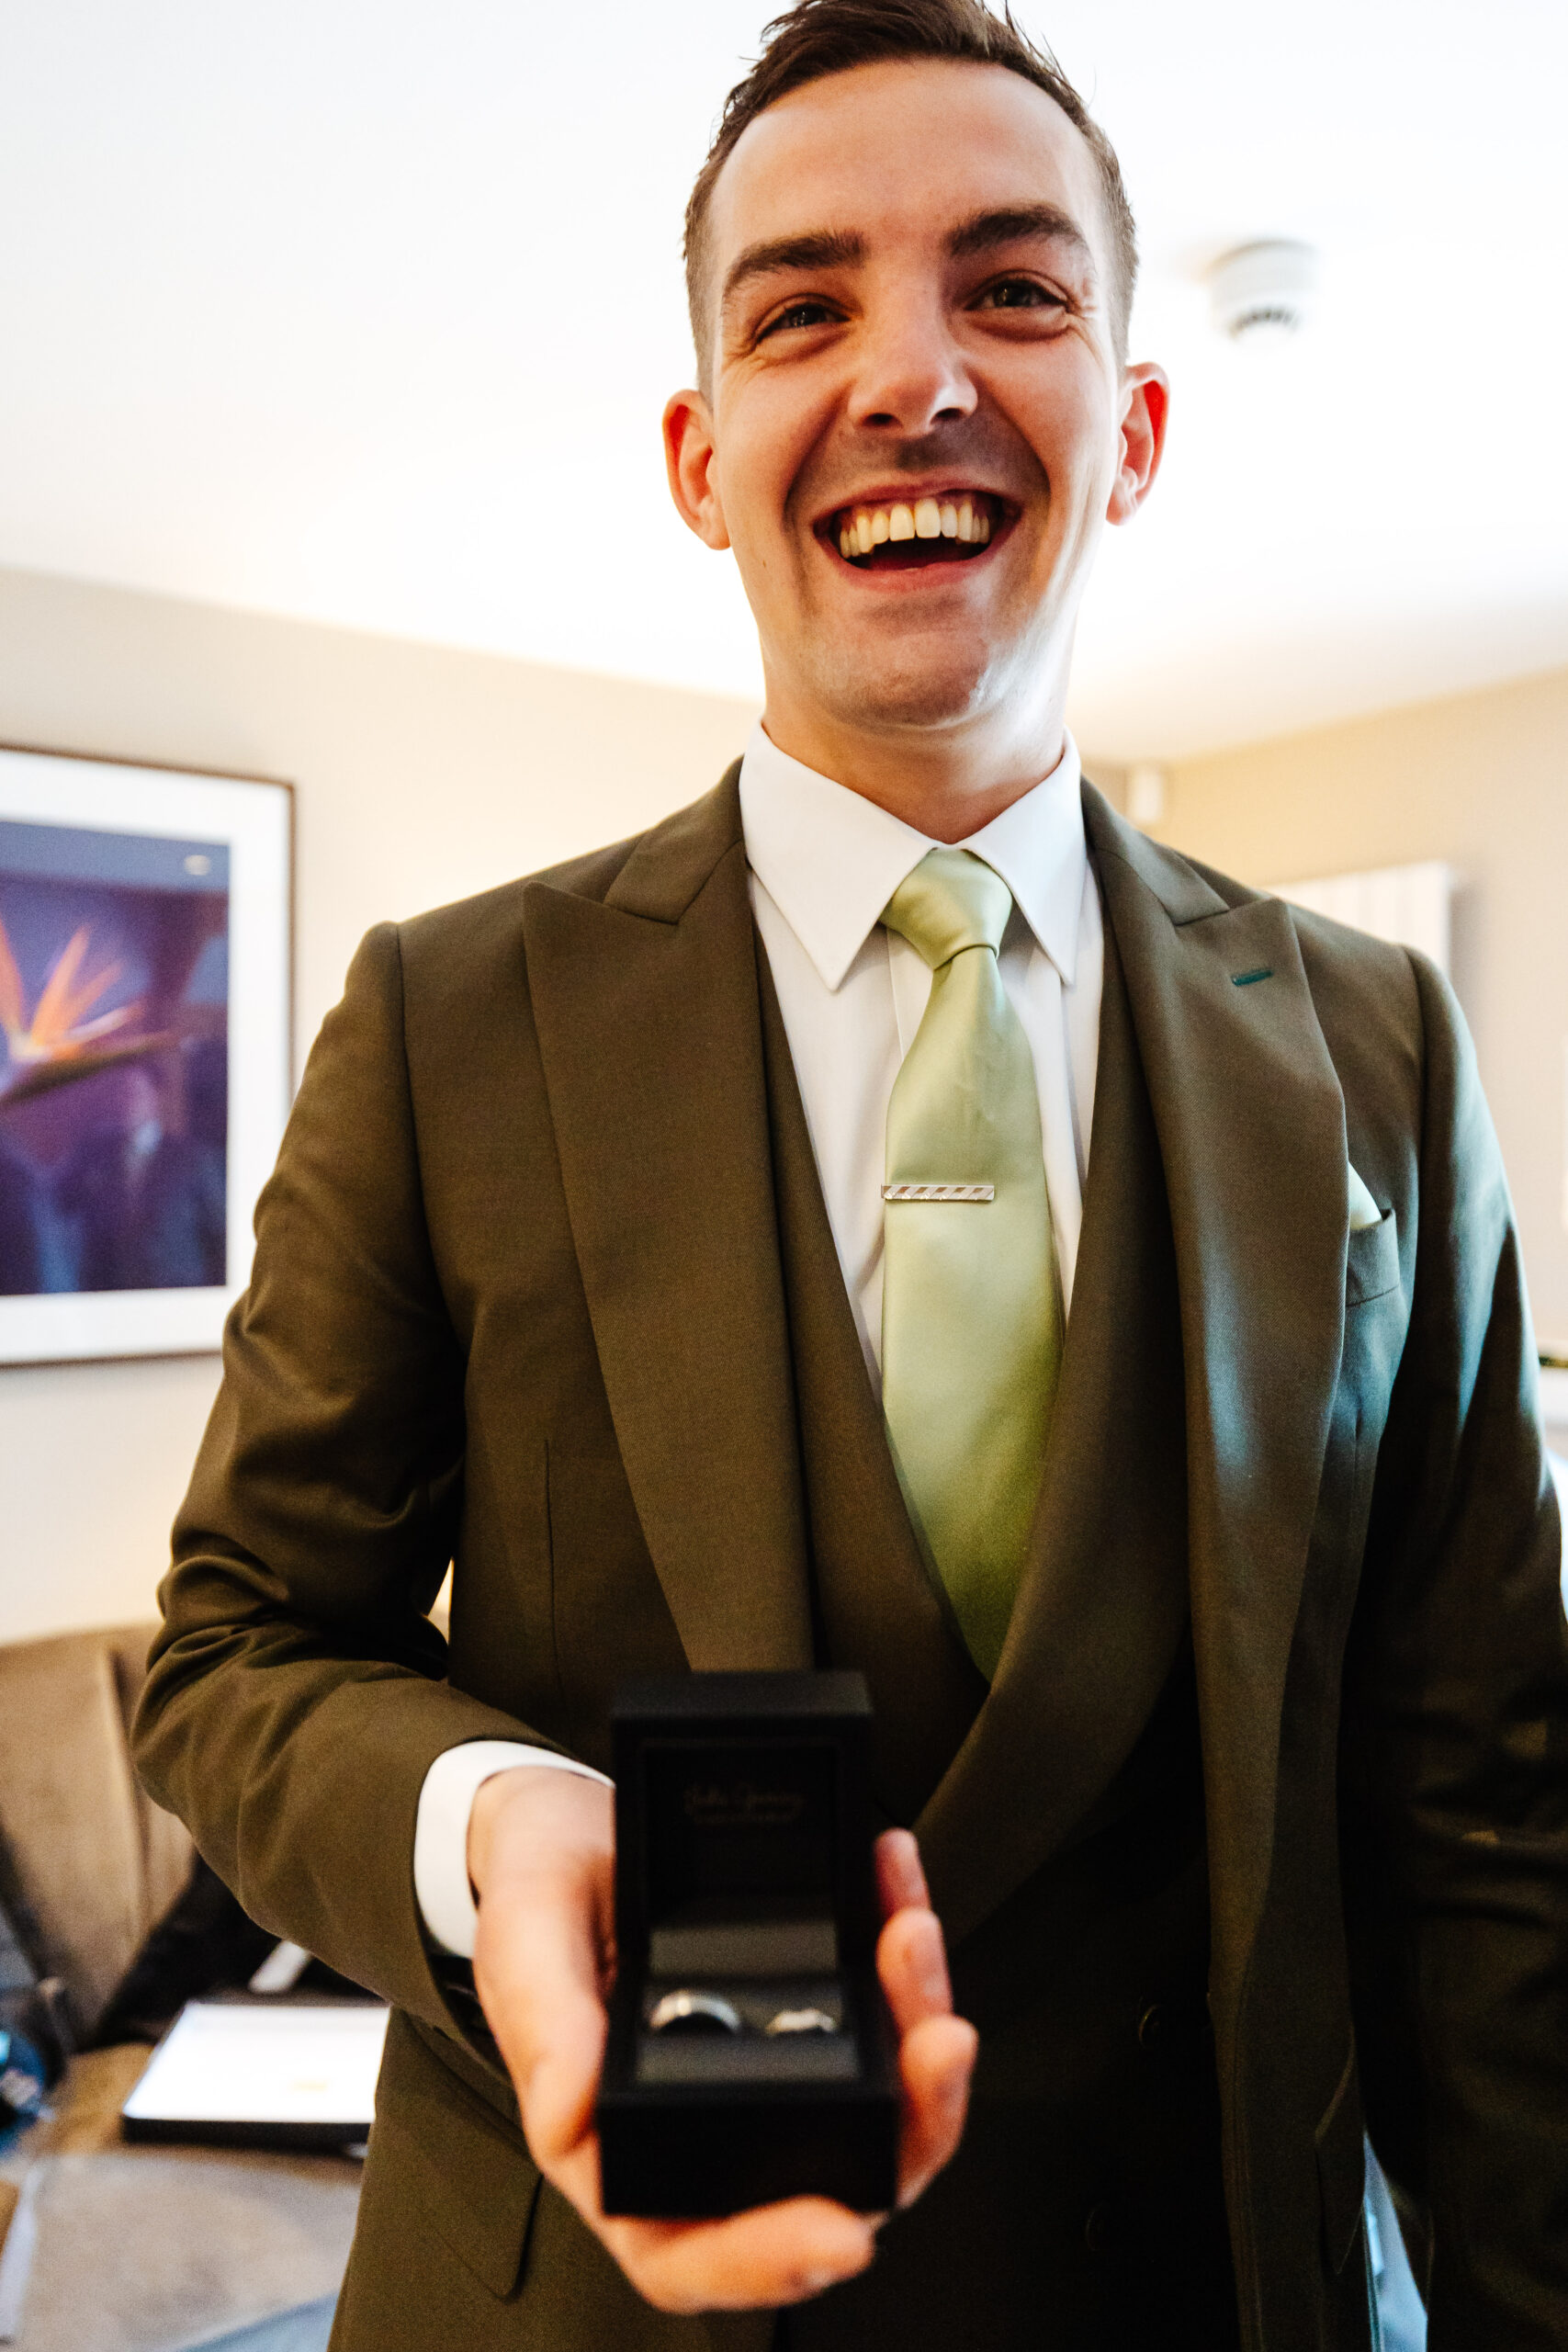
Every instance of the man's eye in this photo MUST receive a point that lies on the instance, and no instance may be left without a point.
(798, 315)
(1019, 294)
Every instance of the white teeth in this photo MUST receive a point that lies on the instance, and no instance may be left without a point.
(864, 527)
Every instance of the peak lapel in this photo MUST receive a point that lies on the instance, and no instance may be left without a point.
(1251, 1128)
(1103, 1605)
(650, 1031)
(878, 1607)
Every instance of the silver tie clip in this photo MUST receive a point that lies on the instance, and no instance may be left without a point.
(938, 1191)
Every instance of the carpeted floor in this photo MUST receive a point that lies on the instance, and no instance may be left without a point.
(305, 2330)
(156, 2249)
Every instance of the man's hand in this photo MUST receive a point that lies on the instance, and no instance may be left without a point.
(541, 1855)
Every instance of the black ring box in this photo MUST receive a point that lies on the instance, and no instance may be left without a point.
(745, 1870)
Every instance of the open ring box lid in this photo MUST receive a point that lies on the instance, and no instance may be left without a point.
(745, 1871)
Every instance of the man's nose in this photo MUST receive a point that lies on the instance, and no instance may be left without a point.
(911, 375)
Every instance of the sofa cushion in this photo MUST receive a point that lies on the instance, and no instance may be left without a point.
(85, 1866)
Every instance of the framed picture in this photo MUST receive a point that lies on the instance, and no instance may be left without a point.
(145, 1020)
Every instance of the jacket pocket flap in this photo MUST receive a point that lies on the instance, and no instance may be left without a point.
(1371, 1260)
(468, 2170)
(1342, 2168)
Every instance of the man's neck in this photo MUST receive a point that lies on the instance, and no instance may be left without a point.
(943, 783)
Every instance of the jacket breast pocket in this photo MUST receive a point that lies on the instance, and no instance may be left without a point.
(607, 1607)
(1342, 2168)
(1371, 1261)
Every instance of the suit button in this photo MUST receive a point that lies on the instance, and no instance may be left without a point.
(1153, 2027)
(1099, 2231)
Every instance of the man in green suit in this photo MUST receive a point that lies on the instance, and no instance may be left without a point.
(894, 1215)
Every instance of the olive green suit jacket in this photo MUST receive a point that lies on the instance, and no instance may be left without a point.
(517, 1302)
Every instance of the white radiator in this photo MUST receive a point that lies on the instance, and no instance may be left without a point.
(1408, 904)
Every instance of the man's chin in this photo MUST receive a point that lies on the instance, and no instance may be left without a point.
(904, 692)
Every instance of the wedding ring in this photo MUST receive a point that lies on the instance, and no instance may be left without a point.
(694, 2011)
(802, 2021)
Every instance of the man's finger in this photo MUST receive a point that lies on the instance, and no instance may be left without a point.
(900, 1878)
(772, 2255)
(912, 1962)
(936, 2050)
(936, 2061)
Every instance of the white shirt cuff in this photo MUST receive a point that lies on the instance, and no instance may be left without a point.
(441, 1884)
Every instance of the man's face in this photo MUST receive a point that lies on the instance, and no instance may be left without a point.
(915, 428)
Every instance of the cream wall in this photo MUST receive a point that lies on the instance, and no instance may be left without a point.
(1482, 781)
(422, 774)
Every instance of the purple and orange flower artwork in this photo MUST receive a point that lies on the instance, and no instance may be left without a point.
(146, 1047)
(114, 1040)
(60, 1041)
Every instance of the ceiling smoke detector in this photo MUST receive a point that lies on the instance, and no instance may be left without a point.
(1263, 292)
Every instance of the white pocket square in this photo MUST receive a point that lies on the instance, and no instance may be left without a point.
(1364, 1210)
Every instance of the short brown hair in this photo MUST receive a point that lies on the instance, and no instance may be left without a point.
(819, 38)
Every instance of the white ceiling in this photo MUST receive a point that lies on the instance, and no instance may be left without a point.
(365, 310)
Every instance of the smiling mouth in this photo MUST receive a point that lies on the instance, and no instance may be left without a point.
(953, 527)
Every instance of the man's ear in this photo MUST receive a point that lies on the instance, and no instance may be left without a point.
(689, 463)
(1146, 404)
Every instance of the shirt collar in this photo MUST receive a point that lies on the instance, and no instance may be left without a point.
(829, 859)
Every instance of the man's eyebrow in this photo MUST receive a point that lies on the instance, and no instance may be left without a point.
(817, 249)
(1010, 222)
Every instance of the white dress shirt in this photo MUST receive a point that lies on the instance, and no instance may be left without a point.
(824, 864)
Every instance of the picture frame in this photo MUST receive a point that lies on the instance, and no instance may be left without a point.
(146, 1047)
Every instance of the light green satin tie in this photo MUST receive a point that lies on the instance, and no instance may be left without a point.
(971, 1309)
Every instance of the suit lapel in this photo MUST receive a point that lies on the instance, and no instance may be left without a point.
(878, 1608)
(649, 1026)
(1251, 1128)
(1103, 1608)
